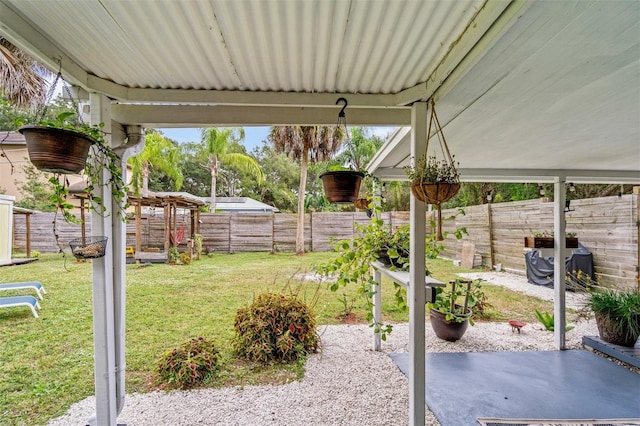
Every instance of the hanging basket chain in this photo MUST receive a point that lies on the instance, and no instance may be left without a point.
(432, 182)
(443, 142)
(42, 108)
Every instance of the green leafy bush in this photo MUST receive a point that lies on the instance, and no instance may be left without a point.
(198, 240)
(185, 259)
(194, 363)
(547, 319)
(174, 254)
(275, 327)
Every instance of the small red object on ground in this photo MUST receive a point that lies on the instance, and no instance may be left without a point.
(516, 325)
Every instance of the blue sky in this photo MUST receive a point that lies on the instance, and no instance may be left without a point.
(253, 135)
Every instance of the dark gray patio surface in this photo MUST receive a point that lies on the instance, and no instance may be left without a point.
(577, 384)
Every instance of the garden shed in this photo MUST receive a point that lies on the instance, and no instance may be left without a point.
(6, 228)
(527, 91)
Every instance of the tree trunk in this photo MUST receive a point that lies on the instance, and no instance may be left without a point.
(145, 179)
(301, 196)
(214, 179)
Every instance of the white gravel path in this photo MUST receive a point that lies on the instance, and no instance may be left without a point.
(346, 384)
(519, 283)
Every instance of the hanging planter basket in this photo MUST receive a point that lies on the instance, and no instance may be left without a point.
(89, 247)
(55, 150)
(434, 181)
(434, 192)
(341, 186)
(361, 203)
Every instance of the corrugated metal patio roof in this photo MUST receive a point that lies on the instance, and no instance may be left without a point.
(547, 86)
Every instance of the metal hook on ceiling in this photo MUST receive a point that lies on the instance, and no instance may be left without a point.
(342, 113)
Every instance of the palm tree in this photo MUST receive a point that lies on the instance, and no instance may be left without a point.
(358, 150)
(305, 144)
(216, 144)
(160, 153)
(22, 80)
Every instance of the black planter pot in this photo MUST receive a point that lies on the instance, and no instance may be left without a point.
(448, 330)
(383, 257)
(56, 150)
(341, 186)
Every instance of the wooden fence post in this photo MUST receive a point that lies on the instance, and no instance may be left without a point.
(490, 224)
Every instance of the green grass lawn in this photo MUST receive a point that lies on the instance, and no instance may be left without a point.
(46, 364)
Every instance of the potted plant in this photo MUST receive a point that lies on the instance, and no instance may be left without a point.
(449, 318)
(341, 186)
(617, 315)
(66, 146)
(56, 150)
(434, 182)
(545, 240)
(393, 247)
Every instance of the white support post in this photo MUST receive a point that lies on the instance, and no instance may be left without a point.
(559, 267)
(103, 295)
(417, 293)
(135, 144)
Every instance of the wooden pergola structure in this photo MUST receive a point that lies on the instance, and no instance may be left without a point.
(169, 203)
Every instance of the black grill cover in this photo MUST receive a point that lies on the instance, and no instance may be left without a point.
(540, 268)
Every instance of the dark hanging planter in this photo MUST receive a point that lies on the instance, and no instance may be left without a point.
(341, 186)
(361, 203)
(56, 150)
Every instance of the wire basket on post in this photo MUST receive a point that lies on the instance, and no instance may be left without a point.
(88, 247)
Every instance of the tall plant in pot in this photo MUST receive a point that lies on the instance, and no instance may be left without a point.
(452, 311)
(617, 315)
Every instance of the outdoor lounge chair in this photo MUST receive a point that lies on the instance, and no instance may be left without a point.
(28, 284)
(30, 301)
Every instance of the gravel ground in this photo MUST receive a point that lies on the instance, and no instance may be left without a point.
(519, 283)
(346, 384)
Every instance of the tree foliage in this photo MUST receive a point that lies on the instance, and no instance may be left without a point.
(23, 81)
(216, 149)
(36, 192)
(306, 145)
(158, 153)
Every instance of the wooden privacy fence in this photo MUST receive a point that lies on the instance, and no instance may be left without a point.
(606, 226)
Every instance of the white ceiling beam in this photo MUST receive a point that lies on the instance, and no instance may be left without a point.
(236, 97)
(224, 115)
(489, 23)
(527, 175)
